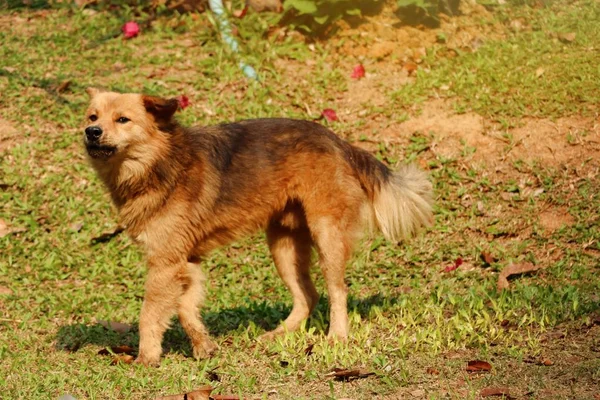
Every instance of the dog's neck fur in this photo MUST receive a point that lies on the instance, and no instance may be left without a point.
(141, 182)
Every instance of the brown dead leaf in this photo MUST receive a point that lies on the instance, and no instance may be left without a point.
(5, 290)
(478, 366)
(117, 350)
(410, 67)
(4, 230)
(63, 86)
(115, 326)
(496, 391)
(202, 393)
(487, 258)
(514, 269)
(107, 236)
(432, 371)
(122, 358)
(309, 349)
(567, 37)
(342, 374)
(546, 362)
(539, 72)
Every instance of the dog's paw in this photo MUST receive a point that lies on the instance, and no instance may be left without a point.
(205, 349)
(147, 361)
(268, 336)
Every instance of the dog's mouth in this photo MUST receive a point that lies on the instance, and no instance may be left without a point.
(100, 151)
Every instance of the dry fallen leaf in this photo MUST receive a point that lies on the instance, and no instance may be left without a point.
(495, 391)
(309, 349)
(478, 366)
(539, 72)
(117, 350)
(115, 326)
(5, 290)
(514, 269)
(341, 374)
(487, 258)
(3, 228)
(567, 37)
(202, 393)
(410, 67)
(64, 85)
(122, 358)
(432, 371)
(107, 236)
(547, 362)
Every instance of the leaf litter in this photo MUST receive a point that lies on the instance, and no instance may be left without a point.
(514, 269)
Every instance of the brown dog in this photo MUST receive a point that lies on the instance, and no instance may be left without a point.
(182, 192)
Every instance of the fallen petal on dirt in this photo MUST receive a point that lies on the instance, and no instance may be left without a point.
(115, 326)
(329, 115)
(495, 391)
(184, 101)
(202, 393)
(358, 72)
(130, 30)
(241, 13)
(514, 269)
(457, 263)
(478, 366)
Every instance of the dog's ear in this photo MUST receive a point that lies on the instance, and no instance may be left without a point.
(162, 109)
(92, 91)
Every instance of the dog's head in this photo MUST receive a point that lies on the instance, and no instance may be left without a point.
(124, 124)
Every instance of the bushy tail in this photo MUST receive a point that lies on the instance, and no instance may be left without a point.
(402, 203)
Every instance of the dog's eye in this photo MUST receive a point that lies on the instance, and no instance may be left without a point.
(93, 117)
(123, 120)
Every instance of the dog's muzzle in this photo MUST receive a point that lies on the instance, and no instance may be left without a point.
(93, 146)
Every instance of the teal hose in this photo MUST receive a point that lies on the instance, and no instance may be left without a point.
(217, 8)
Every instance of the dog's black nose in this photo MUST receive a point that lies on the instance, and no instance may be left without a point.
(93, 133)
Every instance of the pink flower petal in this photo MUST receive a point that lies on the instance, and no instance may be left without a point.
(329, 115)
(241, 13)
(358, 72)
(457, 263)
(130, 29)
(184, 101)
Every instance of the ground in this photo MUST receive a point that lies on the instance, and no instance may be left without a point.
(498, 104)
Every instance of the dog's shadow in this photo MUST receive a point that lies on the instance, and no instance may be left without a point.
(221, 324)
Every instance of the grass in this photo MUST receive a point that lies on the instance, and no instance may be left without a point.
(407, 315)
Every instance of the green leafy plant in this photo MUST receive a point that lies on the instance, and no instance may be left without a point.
(317, 16)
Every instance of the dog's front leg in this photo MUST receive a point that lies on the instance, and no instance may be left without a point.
(163, 288)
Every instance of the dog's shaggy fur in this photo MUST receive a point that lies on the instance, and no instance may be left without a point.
(182, 192)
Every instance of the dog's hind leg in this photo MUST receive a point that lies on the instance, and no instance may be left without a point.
(163, 288)
(189, 312)
(291, 250)
(334, 244)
